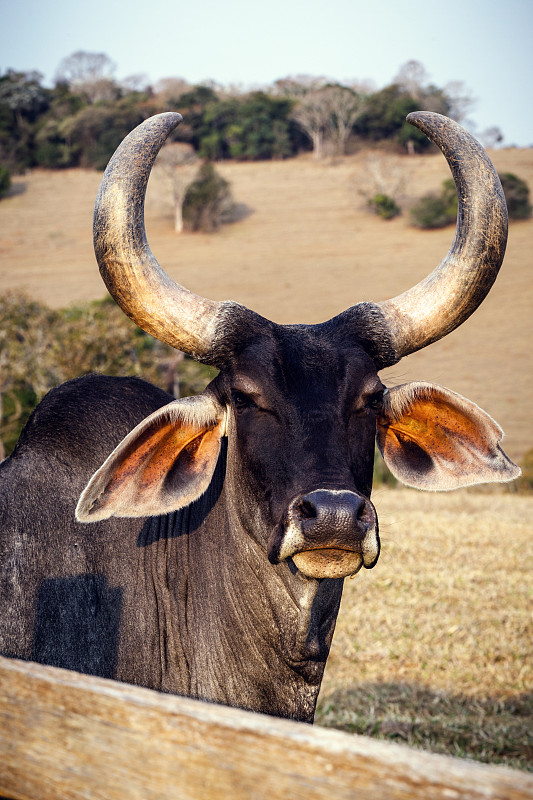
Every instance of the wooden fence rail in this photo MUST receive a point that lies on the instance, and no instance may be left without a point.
(67, 736)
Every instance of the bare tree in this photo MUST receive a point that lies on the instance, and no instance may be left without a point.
(460, 100)
(169, 90)
(328, 113)
(312, 113)
(138, 82)
(454, 99)
(179, 161)
(491, 137)
(82, 66)
(345, 106)
(382, 173)
(363, 87)
(89, 73)
(412, 77)
(298, 85)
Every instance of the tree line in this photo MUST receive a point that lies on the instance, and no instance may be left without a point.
(81, 120)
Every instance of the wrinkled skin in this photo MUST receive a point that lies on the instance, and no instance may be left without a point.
(303, 418)
(202, 611)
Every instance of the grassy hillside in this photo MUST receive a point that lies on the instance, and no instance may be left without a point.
(305, 249)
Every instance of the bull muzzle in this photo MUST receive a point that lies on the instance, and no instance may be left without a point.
(327, 533)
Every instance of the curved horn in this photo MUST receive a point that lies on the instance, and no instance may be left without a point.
(131, 273)
(446, 298)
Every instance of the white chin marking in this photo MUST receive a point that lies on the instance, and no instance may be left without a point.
(293, 540)
(370, 548)
(328, 563)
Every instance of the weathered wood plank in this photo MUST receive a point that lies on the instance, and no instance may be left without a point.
(68, 735)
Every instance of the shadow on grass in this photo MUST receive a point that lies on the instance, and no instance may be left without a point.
(237, 213)
(17, 187)
(494, 730)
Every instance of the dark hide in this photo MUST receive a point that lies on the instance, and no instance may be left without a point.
(64, 586)
(210, 601)
(189, 602)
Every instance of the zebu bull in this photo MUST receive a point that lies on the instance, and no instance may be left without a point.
(224, 524)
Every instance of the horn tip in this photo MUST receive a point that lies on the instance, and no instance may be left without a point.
(164, 122)
(423, 119)
(171, 116)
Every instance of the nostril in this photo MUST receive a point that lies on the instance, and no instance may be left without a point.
(360, 510)
(306, 509)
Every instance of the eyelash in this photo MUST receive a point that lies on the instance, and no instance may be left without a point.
(375, 402)
(242, 401)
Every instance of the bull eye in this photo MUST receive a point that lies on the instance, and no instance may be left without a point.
(241, 401)
(375, 401)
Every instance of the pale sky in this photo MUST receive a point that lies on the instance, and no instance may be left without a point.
(487, 44)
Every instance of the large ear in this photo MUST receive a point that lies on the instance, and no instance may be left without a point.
(164, 464)
(432, 438)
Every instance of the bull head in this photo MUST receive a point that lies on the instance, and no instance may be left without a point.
(299, 405)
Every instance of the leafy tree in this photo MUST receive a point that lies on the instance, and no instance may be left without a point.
(41, 348)
(411, 138)
(284, 142)
(23, 94)
(94, 133)
(384, 115)
(5, 180)
(218, 118)
(199, 97)
(192, 104)
(385, 111)
(384, 206)
(64, 102)
(207, 200)
(516, 193)
(22, 100)
(53, 144)
(250, 127)
(262, 130)
(436, 210)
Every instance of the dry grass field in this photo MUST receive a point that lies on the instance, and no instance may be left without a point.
(434, 645)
